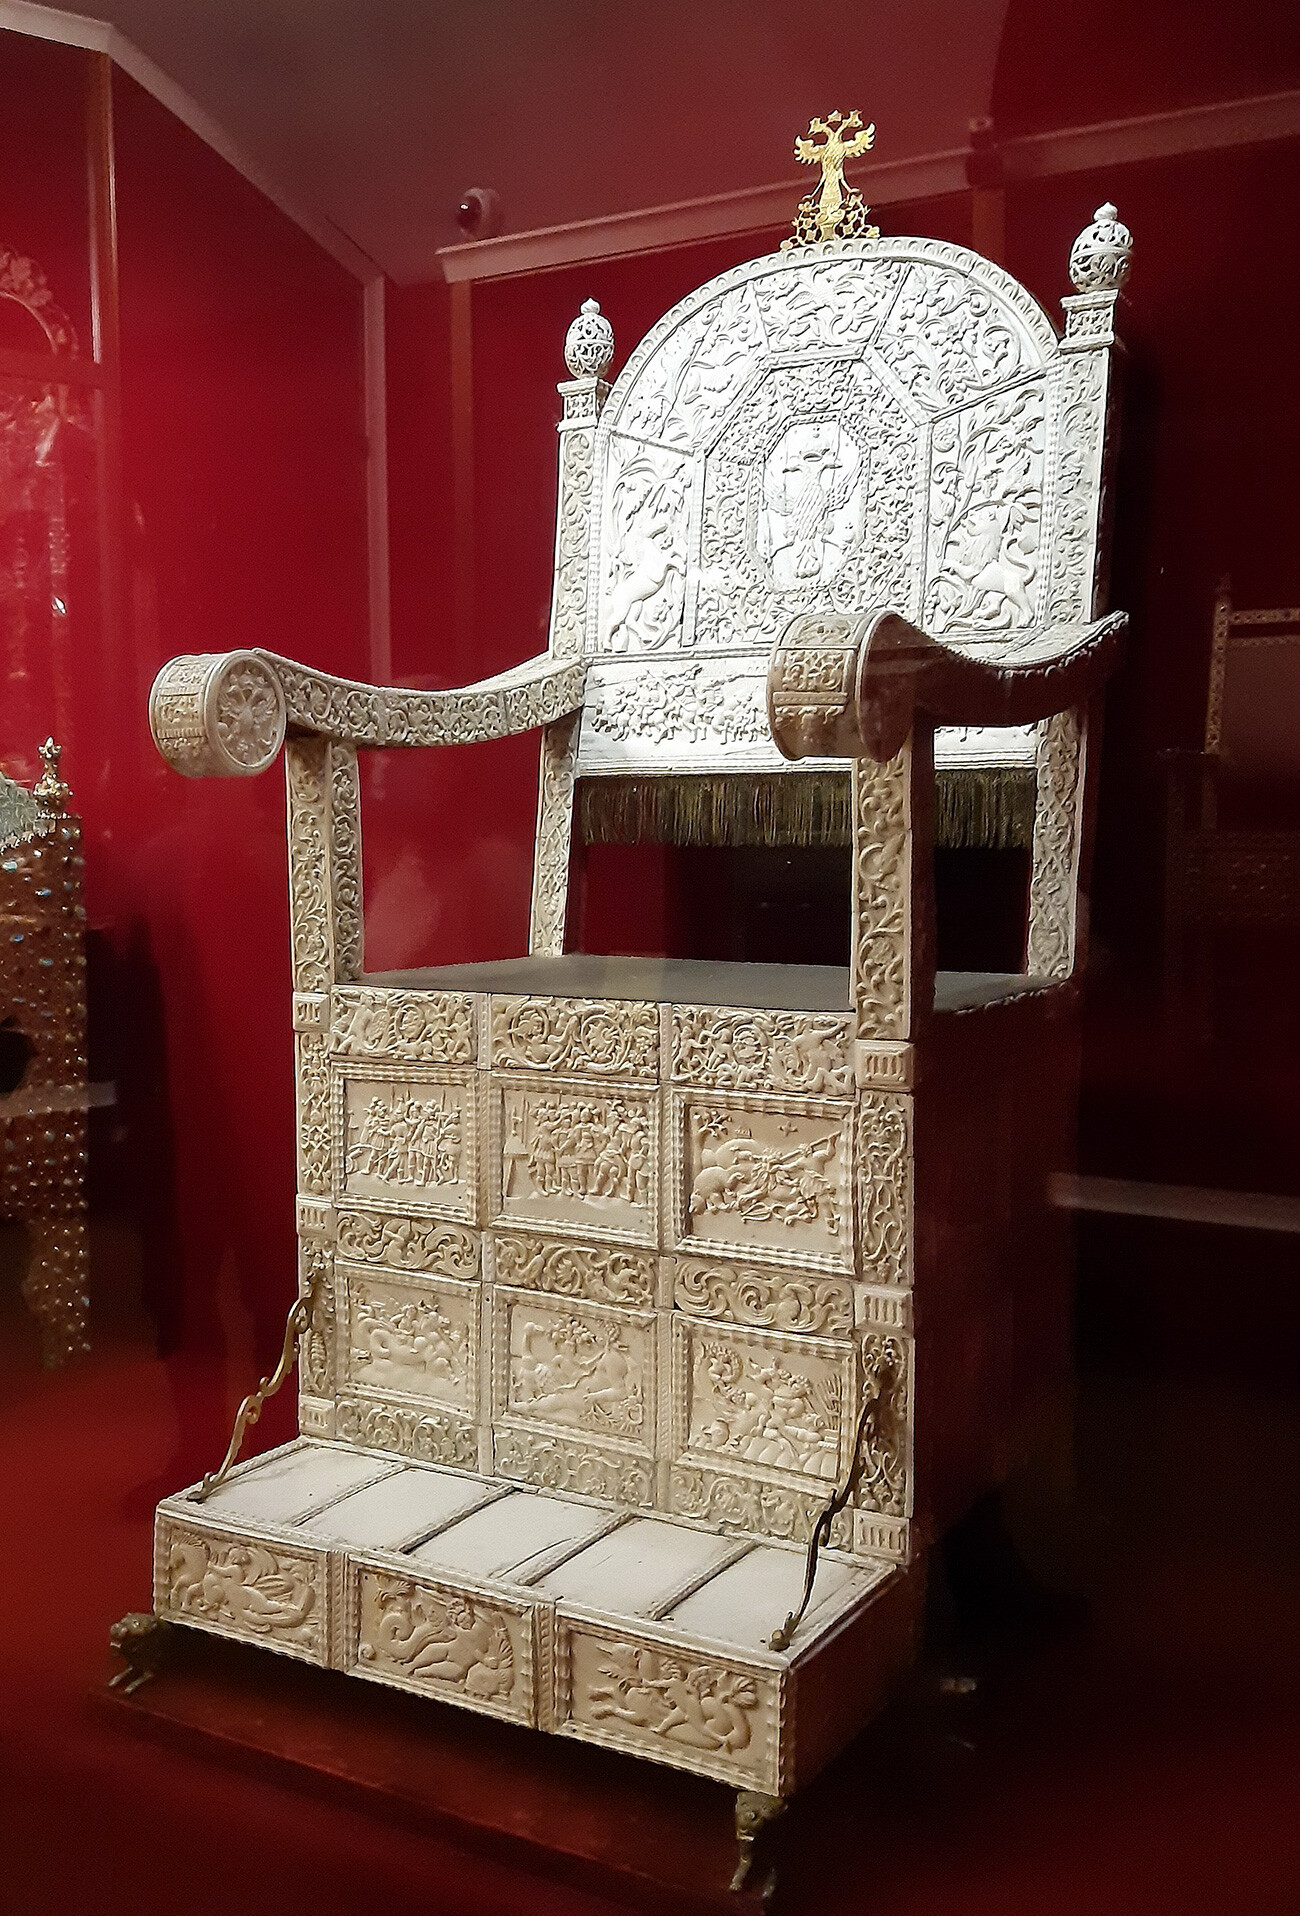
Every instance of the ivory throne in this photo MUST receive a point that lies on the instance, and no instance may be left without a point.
(654, 1316)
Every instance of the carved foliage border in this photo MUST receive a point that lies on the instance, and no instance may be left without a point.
(1052, 901)
(882, 881)
(885, 1179)
(427, 1437)
(553, 847)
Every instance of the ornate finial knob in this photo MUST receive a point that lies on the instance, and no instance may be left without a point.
(49, 787)
(589, 342)
(1101, 256)
(836, 210)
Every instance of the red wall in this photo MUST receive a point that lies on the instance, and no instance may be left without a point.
(235, 496)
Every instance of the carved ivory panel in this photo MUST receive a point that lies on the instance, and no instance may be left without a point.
(575, 1156)
(410, 1338)
(405, 1139)
(618, 1688)
(766, 1177)
(476, 1648)
(766, 1405)
(888, 422)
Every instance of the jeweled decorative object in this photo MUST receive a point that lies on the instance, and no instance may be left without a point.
(589, 343)
(1103, 253)
(43, 1010)
(836, 210)
(608, 1384)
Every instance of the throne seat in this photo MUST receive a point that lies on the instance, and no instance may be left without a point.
(561, 1612)
(697, 981)
(656, 1315)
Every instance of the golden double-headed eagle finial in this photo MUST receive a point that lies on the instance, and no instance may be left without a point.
(836, 210)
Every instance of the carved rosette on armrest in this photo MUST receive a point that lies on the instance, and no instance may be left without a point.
(225, 715)
(850, 686)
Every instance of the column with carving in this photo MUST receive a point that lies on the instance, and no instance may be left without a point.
(325, 937)
(588, 350)
(1083, 398)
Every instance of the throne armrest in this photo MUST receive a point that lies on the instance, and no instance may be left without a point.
(225, 714)
(850, 687)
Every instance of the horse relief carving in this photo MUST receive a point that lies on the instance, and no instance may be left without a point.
(246, 1586)
(766, 1177)
(430, 1637)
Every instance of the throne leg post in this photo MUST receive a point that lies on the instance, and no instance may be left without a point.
(143, 1641)
(754, 1811)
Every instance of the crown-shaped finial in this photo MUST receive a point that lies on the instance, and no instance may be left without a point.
(1101, 256)
(49, 787)
(589, 342)
(836, 210)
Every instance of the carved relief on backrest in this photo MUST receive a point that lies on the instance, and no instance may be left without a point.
(861, 423)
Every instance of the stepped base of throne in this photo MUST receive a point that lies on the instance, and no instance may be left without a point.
(554, 1612)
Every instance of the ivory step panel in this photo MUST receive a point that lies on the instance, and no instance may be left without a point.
(402, 1509)
(748, 1600)
(509, 1534)
(636, 1567)
(265, 1588)
(292, 1483)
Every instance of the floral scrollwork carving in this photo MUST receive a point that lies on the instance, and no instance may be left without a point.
(883, 1443)
(597, 1039)
(427, 1437)
(881, 884)
(408, 1244)
(784, 1301)
(761, 1509)
(575, 1270)
(550, 901)
(1056, 820)
(885, 1187)
(762, 1050)
(409, 1027)
(587, 1473)
(316, 1349)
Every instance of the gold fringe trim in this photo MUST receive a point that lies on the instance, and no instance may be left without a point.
(984, 805)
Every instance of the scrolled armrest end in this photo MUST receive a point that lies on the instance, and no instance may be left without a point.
(218, 714)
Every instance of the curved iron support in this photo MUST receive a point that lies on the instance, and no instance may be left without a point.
(780, 1639)
(251, 1408)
